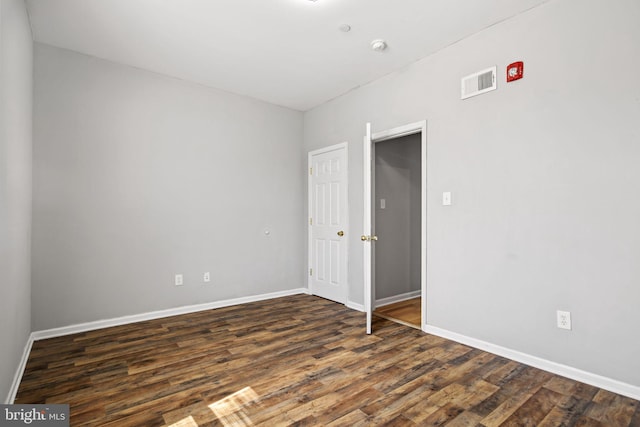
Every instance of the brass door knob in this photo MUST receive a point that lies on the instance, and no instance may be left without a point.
(340, 233)
(363, 238)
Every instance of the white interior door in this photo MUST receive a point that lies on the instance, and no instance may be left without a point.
(328, 222)
(369, 289)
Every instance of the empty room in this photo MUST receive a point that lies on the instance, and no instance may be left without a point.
(319, 212)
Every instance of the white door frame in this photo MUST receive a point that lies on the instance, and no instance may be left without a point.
(341, 146)
(370, 139)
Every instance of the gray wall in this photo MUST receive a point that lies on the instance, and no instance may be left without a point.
(544, 176)
(139, 177)
(16, 59)
(397, 181)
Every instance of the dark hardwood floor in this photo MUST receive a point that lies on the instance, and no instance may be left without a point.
(299, 360)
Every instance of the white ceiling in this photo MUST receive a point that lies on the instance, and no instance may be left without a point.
(286, 52)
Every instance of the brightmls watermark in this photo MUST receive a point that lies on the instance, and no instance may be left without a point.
(34, 415)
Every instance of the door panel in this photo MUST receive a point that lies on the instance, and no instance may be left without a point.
(328, 223)
(369, 290)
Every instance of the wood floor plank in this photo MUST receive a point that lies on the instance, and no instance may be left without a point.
(465, 419)
(503, 411)
(299, 361)
(351, 419)
(612, 410)
(535, 409)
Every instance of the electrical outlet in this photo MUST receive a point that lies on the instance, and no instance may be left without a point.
(179, 281)
(206, 277)
(564, 319)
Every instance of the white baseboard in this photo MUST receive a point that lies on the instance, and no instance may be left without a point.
(355, 306)
(397, 298)
(13, 391)
(596, 380)
(124, 320)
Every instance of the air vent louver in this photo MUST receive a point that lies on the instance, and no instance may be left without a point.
(477, 83)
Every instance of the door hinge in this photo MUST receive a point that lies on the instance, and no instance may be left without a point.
(310, 171)
(310, 221)
(311, 272)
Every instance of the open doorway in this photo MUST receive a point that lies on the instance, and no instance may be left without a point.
(397, 217)
(369, 237)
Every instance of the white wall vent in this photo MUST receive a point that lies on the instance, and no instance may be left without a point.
(477, 83)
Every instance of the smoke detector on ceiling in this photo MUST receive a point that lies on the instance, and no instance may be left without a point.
(378, 45)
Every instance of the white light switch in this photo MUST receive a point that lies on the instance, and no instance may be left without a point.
(383, 203)
(446, 198)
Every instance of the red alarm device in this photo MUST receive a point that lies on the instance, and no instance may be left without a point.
(515, 71)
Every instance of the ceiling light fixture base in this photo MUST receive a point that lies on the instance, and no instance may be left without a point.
(378, 45)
